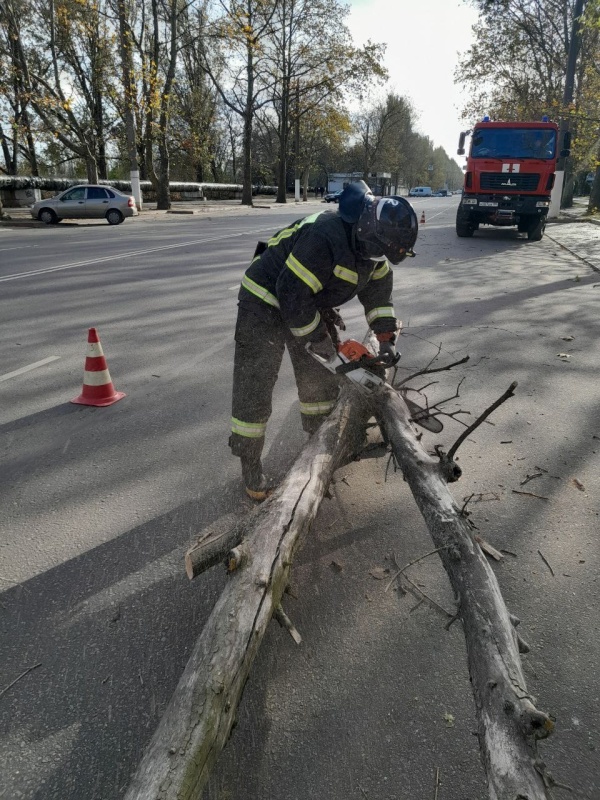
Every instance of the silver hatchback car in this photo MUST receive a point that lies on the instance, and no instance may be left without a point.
(86, 202)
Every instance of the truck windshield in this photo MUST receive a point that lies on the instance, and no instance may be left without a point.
(513, 143)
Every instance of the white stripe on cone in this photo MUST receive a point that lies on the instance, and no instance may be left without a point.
(96, 378)
(94, 350)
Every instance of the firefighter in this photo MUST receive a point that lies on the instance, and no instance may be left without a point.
(288, 297)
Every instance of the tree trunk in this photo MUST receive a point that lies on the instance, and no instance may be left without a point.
(31, 154)
(163, 194)
(508, 721)
(99, 135)
(129, 94)
(284, 111)
(6, 152)
(91, 167)
(247, 116)
(199, 718)
(247, 180)
(594, 202)
(283, 145)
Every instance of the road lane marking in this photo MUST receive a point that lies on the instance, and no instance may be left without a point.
(28, 368)
(129, 254)
(20, 247)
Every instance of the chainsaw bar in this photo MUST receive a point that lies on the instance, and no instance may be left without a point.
(422, 417)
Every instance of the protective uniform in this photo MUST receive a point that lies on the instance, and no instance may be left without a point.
(287, 293)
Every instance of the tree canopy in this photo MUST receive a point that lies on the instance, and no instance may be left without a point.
(242, 91)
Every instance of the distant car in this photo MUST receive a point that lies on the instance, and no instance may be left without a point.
(439, 194)
(331, 197)
(86, 202)
(421, 191)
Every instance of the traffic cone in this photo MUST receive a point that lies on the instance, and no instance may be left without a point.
(422, 220)
(98, 389)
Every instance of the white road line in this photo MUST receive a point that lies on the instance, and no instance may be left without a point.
(37, 364)
(20, 247)
(130, 254)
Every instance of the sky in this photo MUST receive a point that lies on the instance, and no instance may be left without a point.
(423, 40)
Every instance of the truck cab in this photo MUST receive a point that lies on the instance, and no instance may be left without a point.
(509, 176)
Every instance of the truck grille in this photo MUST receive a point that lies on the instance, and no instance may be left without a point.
(523, 181)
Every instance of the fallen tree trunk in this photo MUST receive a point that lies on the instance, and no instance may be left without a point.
(201, 713)
(508, 722)
(214, 544)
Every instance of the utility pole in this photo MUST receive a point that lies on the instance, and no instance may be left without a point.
(574, 47)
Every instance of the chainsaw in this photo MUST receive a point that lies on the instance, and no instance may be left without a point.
(366, 371)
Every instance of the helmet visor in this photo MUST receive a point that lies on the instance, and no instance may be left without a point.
(388, 228)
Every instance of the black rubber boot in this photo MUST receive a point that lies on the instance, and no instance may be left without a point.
(254, 480)
(311, 424)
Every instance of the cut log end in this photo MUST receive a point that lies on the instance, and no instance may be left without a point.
(449, 469)
(189, 566)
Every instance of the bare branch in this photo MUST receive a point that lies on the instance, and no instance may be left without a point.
(508, 393)
(428, 371)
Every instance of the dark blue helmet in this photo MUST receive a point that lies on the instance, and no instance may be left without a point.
(352, 200)
(387, 228)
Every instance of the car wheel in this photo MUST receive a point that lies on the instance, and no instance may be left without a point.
(48, 216)
(114, 217)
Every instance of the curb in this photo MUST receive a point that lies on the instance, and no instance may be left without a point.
(566, 220)
(22, 223)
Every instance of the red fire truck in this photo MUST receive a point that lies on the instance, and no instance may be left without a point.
(509, 175)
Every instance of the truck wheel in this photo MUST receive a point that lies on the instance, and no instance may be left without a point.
(536, 230)
(464, 228)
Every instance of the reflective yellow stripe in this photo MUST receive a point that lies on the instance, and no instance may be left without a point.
(304, 274)
(252, 430)
(307, 328)
(259, 291)
(287, 232)
(381, 271)
(383, 311)
(321, 407)
(346, 274)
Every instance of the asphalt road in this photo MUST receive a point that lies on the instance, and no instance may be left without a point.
(99, 505)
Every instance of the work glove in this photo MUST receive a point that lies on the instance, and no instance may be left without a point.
(387, 353)
(324, 347)
(387, 349)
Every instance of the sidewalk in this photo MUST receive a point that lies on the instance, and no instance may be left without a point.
(577, 213)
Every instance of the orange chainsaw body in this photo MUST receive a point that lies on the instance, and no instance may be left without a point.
(353, 350)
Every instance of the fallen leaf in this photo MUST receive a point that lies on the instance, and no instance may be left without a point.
(336, 566)
(578, 484)
(564, 356)
(379, 573)
(567, 338)
(449, 719)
